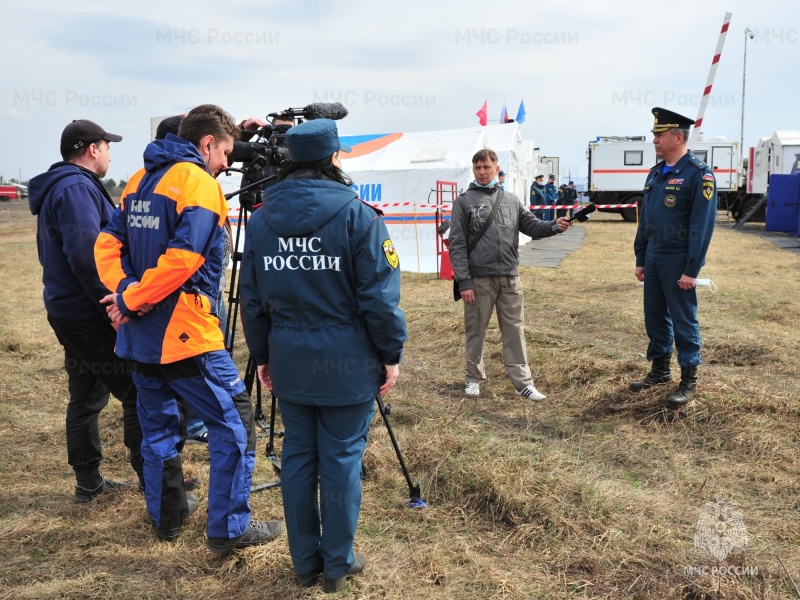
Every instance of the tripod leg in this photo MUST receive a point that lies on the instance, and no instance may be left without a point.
(414, 500)
(271, 455)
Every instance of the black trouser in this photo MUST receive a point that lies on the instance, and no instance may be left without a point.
(93, 370)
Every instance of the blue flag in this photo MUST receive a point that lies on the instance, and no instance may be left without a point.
(504, 114)
(521, 112)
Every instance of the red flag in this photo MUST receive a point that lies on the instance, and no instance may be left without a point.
(483, 114)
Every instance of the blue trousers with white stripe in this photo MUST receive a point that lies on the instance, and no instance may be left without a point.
(210, 384)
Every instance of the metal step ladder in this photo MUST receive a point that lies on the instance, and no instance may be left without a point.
(753, 209)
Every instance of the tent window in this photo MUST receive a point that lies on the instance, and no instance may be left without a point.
(702, 155)
(634, 157)
(758, 158)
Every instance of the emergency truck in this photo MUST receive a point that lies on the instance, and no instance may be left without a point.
(618, 167)
(8, 191)
(777, 154)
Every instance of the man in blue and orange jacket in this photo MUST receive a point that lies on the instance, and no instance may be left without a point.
(161, 256)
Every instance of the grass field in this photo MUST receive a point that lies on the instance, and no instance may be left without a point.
(595, 493)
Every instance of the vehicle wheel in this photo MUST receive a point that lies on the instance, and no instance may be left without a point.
(629, 214)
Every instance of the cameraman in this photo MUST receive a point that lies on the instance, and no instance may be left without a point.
(320, 288)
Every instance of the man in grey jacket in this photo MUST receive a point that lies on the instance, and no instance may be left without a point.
(488, 273)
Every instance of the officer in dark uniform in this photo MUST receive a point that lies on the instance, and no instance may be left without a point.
(676, 222)
(538, 197)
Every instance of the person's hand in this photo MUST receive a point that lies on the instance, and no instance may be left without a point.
(112, 310)
(392, 373)
(264, 376)
(639, 273)
(686, 282)
(468, 296)
(253, 123)
(563, 224)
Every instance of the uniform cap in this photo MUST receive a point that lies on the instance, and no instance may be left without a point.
(168, 125)
(314, 140)
(83, 132)
(666, 120)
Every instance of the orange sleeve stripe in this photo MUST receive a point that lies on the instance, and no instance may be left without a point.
(182, 184)
(132, 186)
(174, 267)
(107, 257)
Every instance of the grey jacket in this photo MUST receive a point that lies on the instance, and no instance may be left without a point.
(497, 252)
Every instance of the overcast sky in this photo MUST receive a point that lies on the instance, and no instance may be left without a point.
(583, 68)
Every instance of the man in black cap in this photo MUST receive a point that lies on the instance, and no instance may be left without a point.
(72, 206)
(570, 195)
(501, 179)
(675, 226)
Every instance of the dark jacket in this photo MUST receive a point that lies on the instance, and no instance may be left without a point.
(497, 251)
(551, 193)
(320, 288)
(678, 213)
(72, 206)
(538, 195)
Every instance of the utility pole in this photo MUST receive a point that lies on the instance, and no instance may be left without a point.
(747, 34)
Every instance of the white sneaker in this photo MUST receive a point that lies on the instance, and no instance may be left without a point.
(472, 389)
(532, 393)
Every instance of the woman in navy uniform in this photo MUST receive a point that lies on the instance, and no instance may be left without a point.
(675, 226)
(320, 288)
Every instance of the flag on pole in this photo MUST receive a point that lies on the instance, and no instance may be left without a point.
(520, 112)
(504, 113)
(483, 114)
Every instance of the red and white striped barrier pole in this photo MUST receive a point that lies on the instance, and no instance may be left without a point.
(712, 73)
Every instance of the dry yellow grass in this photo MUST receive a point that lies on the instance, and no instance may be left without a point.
(595, 493)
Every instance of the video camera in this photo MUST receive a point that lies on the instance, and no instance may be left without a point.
(261, 158)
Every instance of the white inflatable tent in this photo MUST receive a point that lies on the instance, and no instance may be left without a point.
(397, 172)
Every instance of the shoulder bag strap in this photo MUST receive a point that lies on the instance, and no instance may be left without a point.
(488, 222)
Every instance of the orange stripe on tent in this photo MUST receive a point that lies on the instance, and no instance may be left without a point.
(371, 146)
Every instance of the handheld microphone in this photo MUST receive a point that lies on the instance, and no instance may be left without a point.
(583, 214)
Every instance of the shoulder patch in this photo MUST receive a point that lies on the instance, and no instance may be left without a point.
(391, 254)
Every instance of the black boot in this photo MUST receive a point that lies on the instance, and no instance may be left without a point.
(688, 386)
(660, 373)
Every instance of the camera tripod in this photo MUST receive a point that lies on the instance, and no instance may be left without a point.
(251, 371)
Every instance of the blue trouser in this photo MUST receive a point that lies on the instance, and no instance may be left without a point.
(670, 310)
(321, 483)
(210, 384)
(194, 424)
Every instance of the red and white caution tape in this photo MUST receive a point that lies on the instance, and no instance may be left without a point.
(578, 206)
